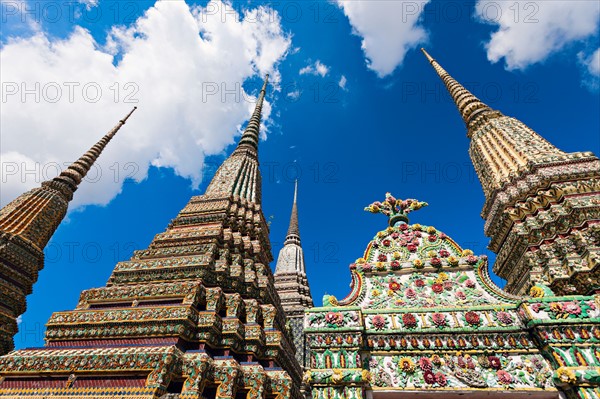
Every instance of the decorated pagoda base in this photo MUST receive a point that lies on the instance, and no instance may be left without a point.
(424, 320)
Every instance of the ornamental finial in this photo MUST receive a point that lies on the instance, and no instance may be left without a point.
(396, 209)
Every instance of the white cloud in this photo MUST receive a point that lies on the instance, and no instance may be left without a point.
(591, 70)
(173, 58)
(593, 63)
(294, 95)
(342, 82)
(531, 31)
(318, 68)
(389, 29)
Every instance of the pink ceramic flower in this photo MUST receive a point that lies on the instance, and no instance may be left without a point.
(503, 377)
(441, 379)
(378, 322)
(410, 293)
(439, 319)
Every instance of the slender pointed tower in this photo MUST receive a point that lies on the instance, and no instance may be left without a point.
(194, 315)
(26, 226)
(542, 207)
(291, 282)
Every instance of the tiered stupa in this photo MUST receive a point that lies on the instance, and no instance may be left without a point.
(194, 315)
(542, 207)
(26, 226)
(291, 282)
(423, 319)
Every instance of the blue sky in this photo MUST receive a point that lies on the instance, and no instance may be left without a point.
(350, 129)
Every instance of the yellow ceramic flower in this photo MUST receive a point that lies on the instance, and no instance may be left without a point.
(337, 376)
(390, 229)
(431, 230)
(381, 234)
(406, 364)
(366, 375)
(452, 260)
(417, 227)
(467, 252)
(566, 375)
(397, 255)
(418, 263)
(536, 292)
(380, 266)
(307, 378)
(360, 261)
(375, 293)
(443, 276)
(431, 254)
(390, 292)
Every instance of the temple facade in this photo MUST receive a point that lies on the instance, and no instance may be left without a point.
(195, 315)
(26, 226)
(199, 314)
(423, 318)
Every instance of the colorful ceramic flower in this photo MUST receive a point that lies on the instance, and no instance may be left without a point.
(406, 364)
(395, 265)
(472, 318)
(382, 258)
(393, 285)
(566, 375)
(441, 379)
(470, 283)
(411, 247)
(436, 359)
(425, 364)
(429, 377)
(504, 317)
(403, 227)
(461, 295)
(417, 227)
(439, 319)
(409, 320)
(504, 377)
(437, 288)
(572, 308)
(378, 322)
(452, 260)
(419, 283)
(418, 263)
(410, 293)
(387, 243)
(436, 262)
(471, 259)
(397, 255)
(334, 318)
(432, 238)
(494, 362)
(444, 253)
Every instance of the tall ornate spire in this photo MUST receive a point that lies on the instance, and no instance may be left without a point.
(250, 135)
(26, 226)
(293, 233)
(527, 183)
(291, 282)
(468, 105)
(239, 174)
(70, 178)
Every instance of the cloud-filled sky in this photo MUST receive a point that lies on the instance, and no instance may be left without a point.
(353, 111)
